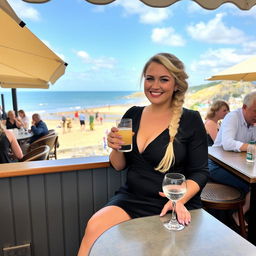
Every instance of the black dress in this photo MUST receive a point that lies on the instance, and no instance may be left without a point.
(140, 197)
(4, 149)
(9, 125)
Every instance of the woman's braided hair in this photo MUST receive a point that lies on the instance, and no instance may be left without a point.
(177, 70)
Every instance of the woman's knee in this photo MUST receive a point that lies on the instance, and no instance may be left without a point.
(93, 225)
(106, 218)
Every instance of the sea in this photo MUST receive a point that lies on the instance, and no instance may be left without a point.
(47, 102)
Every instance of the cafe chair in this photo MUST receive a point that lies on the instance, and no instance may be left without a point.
(50, 140)
(53, 153)
(40, 153)
(51, 131)
(223, 197)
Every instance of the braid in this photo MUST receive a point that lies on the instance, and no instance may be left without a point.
(169, 158)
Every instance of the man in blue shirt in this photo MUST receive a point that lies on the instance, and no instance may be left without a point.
(38, 128)
(236, 131)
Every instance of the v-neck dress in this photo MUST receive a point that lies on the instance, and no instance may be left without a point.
(4, 149)
(139, 196)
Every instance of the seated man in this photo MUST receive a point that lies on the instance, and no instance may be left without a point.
(236, 130)
(38, 128)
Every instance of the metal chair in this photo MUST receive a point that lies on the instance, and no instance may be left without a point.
(40, 153)
(49, 139)
(224, 197)
(53, 153)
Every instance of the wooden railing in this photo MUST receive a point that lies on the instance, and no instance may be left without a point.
(48, 203)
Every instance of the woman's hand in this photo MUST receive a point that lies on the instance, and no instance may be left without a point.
(114, 139)
(183, 215)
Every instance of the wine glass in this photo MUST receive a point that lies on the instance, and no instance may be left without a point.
(174, 187)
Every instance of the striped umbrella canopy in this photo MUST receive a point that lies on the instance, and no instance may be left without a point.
(207, 4)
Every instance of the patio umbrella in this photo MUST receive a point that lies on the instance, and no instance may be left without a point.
(207, 4)
(245, 71)
(26, 62)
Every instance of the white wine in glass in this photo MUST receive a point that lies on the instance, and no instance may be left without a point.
(174, 187)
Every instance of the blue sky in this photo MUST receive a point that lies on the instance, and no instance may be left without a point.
(107, 46)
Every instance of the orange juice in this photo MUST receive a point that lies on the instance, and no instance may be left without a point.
(126, 134)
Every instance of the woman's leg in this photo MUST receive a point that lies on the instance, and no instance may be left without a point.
(98, 223)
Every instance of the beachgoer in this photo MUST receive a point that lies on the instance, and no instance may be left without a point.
(163, 131)
(97, 116)
(63, 122)
(82, 120)
(39, 128)
(236, 131)
(76, 116)
(91, 121)
(69, 124)
(12, 122)
(217, 112)
(101, 119)
(24, 119)
(7, 142)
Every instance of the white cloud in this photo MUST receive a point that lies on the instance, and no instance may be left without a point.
(193, 7)
(214, 61)
(97, 63)
(147, 15)
(167, 36)
(24, 11)
(234, 10)
(215, 31)
(249, 47)
(249, 13)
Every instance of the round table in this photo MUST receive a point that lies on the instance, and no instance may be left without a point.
(148, 237)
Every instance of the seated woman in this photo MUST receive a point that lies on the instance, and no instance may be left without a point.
(167, 138)
(7, 142)
(217, 111)
(11, 121)
(24, 119)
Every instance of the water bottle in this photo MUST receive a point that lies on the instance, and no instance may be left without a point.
(250, 154)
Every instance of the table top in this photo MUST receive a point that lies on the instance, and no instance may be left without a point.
(24, 135)
(148, 237)
(234, 162)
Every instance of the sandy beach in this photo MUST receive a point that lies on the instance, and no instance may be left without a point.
(79, 142)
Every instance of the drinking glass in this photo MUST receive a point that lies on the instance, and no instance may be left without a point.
(125, 131)
(174, 187)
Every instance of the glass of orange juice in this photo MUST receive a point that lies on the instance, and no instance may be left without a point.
(125, 131)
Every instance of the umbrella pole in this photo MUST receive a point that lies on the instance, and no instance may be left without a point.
(3, 106)
(14, 101)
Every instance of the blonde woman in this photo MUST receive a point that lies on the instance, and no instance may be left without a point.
(167, 138)
(24, 119)
(12, 122)
(7, 142)
(217, 112)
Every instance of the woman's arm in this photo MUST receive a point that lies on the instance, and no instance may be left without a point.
(117, 159)
(14, 144)
(18, 122)
(211, 128)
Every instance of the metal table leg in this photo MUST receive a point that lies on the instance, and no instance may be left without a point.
(252, 216)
